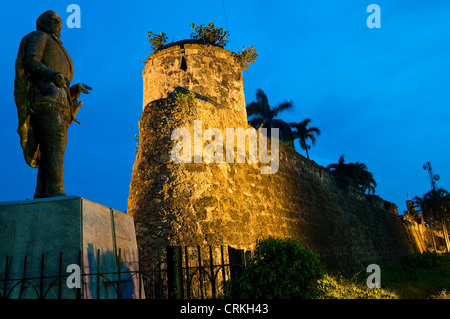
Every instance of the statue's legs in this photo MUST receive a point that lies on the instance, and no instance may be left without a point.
(52, 136)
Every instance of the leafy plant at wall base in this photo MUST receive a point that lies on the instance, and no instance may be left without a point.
(280, 269)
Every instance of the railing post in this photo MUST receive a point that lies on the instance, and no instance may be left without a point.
(223, 264)
(188, 281)
(60, 274)
(98, 274)
(139, 273)
(159, 279)
(22, 286)
(119, 261)
(5, 283)
(200, 271)
(153, 282)
(213, 277)
(41, 288)
(174, 272)
(80, 263)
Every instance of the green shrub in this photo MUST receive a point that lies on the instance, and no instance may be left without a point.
(157, 40)
(424, 260)
(280, 269)
(247, 57)
(210, 34)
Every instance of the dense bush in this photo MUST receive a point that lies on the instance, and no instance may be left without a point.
(280, 269)
(424, 260)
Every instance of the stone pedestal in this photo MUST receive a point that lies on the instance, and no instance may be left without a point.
(40, 238)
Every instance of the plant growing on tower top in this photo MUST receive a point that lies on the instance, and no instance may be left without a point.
(157, 40)
(247, 56)
(210, 34)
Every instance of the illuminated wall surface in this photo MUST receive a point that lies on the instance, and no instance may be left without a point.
(233, 203)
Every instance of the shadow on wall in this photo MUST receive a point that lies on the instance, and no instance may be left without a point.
(112, 275)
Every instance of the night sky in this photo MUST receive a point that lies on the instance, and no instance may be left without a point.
(380, 96)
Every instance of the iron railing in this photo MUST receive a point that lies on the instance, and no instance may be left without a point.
(178, 273)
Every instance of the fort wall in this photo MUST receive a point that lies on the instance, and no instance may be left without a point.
(192, 204)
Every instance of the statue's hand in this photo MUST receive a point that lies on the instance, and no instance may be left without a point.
(83, 88)
(79, 88)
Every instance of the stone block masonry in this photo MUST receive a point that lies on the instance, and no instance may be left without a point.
(234, 204)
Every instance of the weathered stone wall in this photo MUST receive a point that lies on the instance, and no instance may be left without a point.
(234, 204)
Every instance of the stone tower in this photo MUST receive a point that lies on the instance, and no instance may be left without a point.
(186, 203)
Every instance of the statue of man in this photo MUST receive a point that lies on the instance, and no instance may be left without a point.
(46, 103)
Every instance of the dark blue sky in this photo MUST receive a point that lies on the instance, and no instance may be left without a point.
(379, 96)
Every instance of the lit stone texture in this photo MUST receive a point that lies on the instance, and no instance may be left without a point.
(234, 204)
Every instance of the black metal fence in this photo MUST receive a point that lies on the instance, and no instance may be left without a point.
(179, 272)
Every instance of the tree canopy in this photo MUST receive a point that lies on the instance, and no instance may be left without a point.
(435, 208)
(354, 174)
(303, 132)
(261, 114)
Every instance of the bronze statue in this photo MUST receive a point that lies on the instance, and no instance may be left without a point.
(46, 103)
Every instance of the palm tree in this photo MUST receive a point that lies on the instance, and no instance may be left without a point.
(435, 206)
(337, 167)
(263, 115)
(363, 177)
(303, 133)
(340, 171)
(355, 174)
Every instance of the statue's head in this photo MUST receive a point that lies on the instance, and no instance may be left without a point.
(49, 22)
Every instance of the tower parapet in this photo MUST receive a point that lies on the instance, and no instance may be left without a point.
(205, 69)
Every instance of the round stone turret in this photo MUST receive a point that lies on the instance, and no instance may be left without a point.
(193, 86)
(208, 70)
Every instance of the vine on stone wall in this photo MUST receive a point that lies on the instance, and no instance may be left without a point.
(185, 99)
